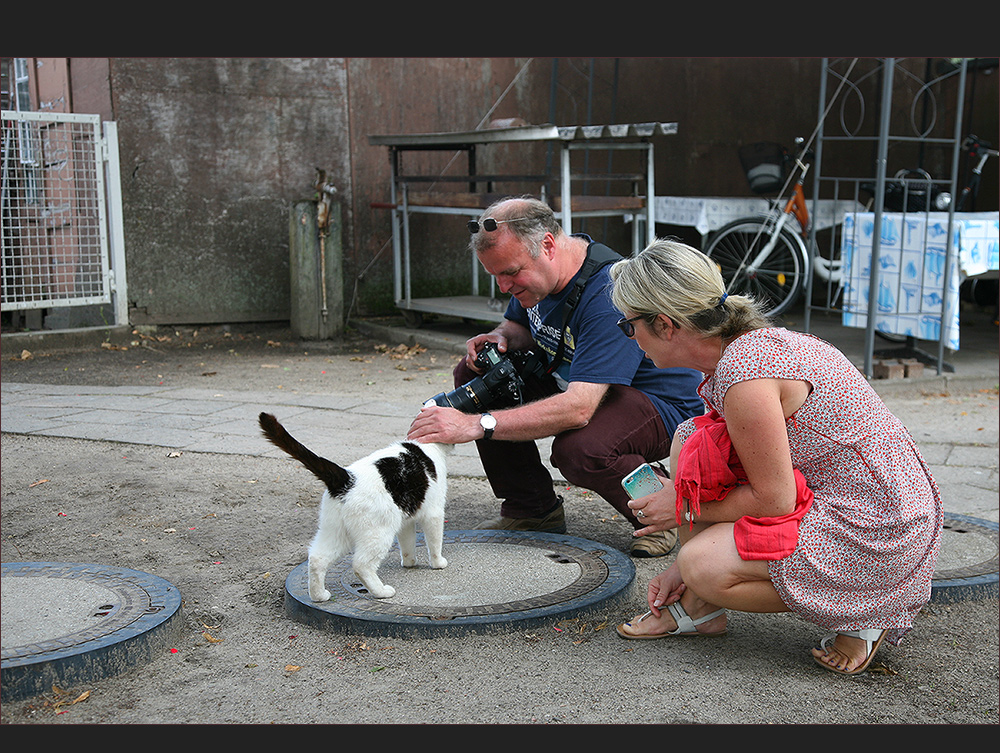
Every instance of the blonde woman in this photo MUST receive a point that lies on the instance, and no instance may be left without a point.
(798, 490)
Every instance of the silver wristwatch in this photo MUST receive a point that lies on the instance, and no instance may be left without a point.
(489, 424)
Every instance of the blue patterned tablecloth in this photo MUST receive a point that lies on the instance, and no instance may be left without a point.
(912, 252)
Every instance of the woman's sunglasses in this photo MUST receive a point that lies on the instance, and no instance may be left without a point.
(628, 329)
(489, 224)
(626, 326)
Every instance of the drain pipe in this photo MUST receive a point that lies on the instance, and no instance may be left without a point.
(324, 193)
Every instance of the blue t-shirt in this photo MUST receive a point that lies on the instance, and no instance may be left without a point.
(597, 352)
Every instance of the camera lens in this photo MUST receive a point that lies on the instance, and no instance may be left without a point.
(472, 397)
(499, 385)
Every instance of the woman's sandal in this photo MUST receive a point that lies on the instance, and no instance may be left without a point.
(872, 638)
(685, 625)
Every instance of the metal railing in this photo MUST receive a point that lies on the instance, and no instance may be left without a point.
(60, 213)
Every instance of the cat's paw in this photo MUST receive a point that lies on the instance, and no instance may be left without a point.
(323, 595)
(408, 560)
(439, 563)
(385, 592)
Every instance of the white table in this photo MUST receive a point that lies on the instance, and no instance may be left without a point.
(709, 213)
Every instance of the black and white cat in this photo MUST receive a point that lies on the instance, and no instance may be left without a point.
(370, 503)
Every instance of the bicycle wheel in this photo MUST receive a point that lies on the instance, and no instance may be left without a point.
(777, 281)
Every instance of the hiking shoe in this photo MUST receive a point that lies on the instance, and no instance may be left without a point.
(553, 522)
(658, 544)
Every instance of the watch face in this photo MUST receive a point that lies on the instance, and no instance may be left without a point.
(487, 421)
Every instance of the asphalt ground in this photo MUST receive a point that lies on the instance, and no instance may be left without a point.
(48, 395)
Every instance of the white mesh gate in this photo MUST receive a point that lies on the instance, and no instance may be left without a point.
(62, 242)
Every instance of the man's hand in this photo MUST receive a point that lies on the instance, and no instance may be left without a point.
(444, 426)
(475, 344)
(508, 336)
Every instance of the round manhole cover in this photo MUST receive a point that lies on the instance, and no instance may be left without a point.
(494, 580)
(967, 567)
(69, 623)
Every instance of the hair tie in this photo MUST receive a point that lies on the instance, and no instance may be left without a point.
(722, 300)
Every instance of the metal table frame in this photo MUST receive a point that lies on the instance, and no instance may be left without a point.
(569, 139)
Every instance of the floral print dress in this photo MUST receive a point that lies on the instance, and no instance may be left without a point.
(868, 545)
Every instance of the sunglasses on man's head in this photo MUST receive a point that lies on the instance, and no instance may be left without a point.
(489, 224)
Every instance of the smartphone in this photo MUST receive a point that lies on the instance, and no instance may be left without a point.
(641, 481)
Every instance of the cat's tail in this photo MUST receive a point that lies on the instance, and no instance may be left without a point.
(337, 479)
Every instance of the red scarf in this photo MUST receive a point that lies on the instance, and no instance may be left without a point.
(708, 469)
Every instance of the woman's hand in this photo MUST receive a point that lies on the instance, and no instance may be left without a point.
(665, 588)
(657, 510)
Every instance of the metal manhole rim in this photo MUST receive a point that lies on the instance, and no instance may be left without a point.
(619, 572)
(161, 601)
(982, 573)
(147, 619)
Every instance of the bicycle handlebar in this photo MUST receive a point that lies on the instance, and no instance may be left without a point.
(974, 145)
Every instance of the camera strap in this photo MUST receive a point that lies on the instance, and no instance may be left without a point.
(598, 255)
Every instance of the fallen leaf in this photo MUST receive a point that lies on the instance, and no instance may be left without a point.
(211, 639)
(62, 701)
(40, 481)
(879, 668)
(292, 668)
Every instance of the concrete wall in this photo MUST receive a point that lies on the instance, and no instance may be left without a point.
(216, 150)
(214, 153)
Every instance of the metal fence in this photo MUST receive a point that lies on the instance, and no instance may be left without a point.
(62, 242)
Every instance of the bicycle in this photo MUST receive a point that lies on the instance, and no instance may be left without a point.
(763, 256)
(976, 147)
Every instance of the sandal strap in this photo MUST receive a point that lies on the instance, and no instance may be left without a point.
(869, 636)
(684, 622)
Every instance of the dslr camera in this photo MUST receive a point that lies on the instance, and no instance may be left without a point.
(502, 383)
